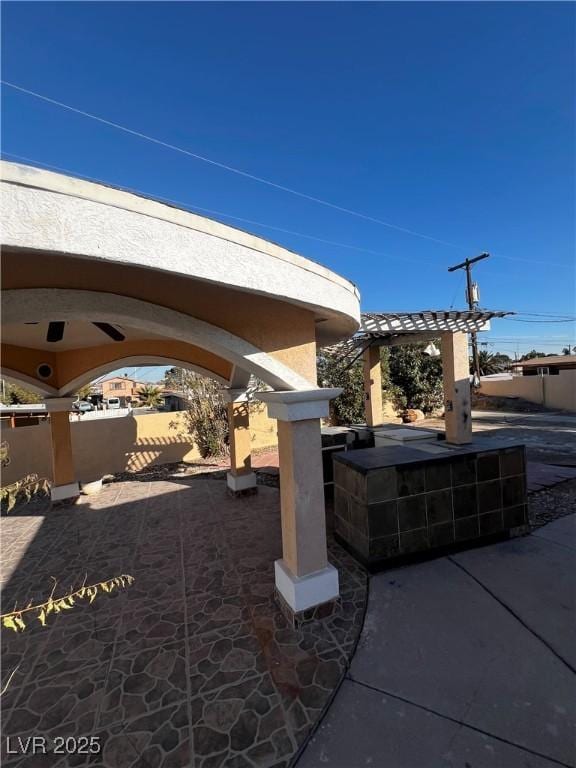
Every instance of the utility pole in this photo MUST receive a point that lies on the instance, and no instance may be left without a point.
(472, 296)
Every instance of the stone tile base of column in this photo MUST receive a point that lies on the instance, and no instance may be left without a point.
(241, 485)
(297, 618)
(61, 492)
(306, 597)
(521, 530)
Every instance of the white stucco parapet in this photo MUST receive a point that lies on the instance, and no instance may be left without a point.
(41, 210)
(57, 404)
(299, 405)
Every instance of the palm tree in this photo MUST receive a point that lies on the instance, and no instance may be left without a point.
(84, 392)
(150, 396)
(490, 363)
(568, 350)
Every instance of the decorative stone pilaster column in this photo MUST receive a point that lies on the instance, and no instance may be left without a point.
(372, 386)
(304, 578)
(240, 479)
(456, 380)
(64, 483)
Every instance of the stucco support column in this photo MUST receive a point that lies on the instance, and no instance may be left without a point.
(240, 478)
(372, 386)
(456, 380)
(64, 484)
(304, 578)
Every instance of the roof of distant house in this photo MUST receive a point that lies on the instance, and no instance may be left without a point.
(545, 361)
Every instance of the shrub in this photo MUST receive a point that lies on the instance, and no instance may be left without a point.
(206, 416)
(417, 376)
(410, 379)
(332, 372)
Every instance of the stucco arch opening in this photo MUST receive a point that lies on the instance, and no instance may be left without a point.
(137, 361)
(46, 304)
(81, 254)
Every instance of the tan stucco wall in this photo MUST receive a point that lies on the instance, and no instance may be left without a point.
(285, 331)
(69, 364)
(550, 391)
(110, 445)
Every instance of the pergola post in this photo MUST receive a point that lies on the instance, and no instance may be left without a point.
(456, 380)
(64, 483)
(372, 386)
(240, 478)
(304, 578)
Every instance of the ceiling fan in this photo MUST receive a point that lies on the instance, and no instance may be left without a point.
(56, 330)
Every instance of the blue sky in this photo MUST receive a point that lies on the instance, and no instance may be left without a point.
(453, 120)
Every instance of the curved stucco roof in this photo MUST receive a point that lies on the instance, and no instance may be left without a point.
(41, 211)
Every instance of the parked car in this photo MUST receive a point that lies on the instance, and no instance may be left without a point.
(82, 406)
(113, 402)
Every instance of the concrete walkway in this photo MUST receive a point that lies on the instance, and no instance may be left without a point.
(467, 660)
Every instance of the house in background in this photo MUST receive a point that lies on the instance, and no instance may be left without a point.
(174, 400)
(548, 381)
(122, 387)
(545, 366)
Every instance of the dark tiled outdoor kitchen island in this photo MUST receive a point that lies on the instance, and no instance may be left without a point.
(394, 502)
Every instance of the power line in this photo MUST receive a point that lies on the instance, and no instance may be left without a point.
(253, 177)
(224, 166)
(518, 320)
(544, 314)
(193, 208)
(457, 291)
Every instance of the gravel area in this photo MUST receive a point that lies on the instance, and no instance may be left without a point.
(552, 503)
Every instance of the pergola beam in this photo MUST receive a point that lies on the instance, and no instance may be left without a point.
(403, 338)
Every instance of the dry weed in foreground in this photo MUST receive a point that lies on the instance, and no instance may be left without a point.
(16, 620)
(23, 490)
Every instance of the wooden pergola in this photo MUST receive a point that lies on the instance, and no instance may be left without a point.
(389, 329)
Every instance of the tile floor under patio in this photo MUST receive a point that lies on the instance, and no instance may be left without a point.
(193, 664)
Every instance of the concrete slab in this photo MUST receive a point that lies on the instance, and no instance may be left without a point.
(561, 531)
(540, 475)
(406, 434)
(536, 579)
(433, 636)
(367, 728)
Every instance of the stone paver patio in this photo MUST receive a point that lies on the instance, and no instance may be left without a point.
(192, 665)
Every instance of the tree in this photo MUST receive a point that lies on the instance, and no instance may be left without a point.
(348, 408)
(417, 376)
(492, 363)
(532, 354)
(569, 350)
(150, 396)
(84, 392)
(409, 379)
(206, 414)
(173, 378)
(14, 394)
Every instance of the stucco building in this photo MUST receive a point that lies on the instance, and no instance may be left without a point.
(550, 365)
(96, 279)
(122, 387)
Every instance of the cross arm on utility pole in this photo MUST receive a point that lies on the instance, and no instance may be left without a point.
(468, 262)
